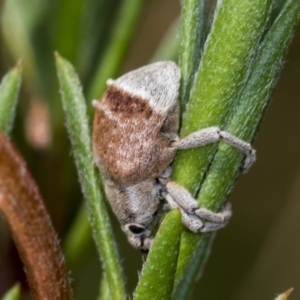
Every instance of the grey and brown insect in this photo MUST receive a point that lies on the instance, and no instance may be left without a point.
(135, 139)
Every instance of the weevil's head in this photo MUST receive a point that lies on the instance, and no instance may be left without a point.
(138, 209)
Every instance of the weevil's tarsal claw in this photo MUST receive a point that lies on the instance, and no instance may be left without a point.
(220, 217)
(216, 221)
(243, 146)
(212, 135)
(210, 227)
(250, 159)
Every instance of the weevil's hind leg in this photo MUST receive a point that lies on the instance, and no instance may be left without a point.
(212, 135)
(194, 217)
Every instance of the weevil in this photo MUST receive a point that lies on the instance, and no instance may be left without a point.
(135, 139)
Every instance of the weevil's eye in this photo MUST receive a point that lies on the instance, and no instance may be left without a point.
(136, 229)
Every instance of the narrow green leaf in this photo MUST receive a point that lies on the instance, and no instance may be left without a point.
(96, 18)
(193, 19)
(169, 46)
(16, 27)
(79, 132)
(157, 277)
(201, 249)
(223, 67)
(116, 50)
(104, 293)
(255, 96)
(77, 239)
(251, 105)
(228, 51)
(13, 293)
(68, 28)
(9, 90)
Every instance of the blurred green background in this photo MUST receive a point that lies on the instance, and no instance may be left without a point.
(256, 256)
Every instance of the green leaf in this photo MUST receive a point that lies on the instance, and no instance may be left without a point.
(200, 245)
(79, 132)
(17, 22)
(169, 45)
(9, 91)
(223, 68)
(104, 293)
(96, 19)
(193, 19)
(255, 97)
(244, 121)
(228, 52)
(68, 28)
(157, 277)
(117, 47)
(13, 293)
(221, 73)
(77, 239)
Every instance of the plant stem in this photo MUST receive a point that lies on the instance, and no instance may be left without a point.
(22, 207)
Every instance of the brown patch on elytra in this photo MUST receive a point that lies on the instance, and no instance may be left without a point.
(123, 102)
(128, 144)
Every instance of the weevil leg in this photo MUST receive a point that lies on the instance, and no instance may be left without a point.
(212, 135)
(221, 217)
(192, 222)
(195, 218)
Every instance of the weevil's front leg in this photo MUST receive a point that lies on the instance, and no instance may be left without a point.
(195, 218)
(212, 135)
(192, 222)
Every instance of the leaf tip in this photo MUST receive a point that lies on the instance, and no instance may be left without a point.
(18, 66)
(288, 292)
(13, 293)
(57, 56)
(285, 295)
